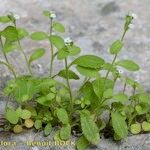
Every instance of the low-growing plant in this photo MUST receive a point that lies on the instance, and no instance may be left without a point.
(46, 102)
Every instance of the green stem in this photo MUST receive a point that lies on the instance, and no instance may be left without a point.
(10, 67)
(115, 56)
(25, 57)
(52, 51)
(24, 54)
(124, 88)
(69, 88)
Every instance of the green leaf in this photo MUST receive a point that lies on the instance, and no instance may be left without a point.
(73, 50)
(116, 47)
(57, 41)
(39, 52)
(71, 74)
(22, 33)
(120, 97)
(89, 95)
(82, 143)
(10, 46)
(62, 115)
(142, 108)
(128, 64)
(25, 114)
(144, 98)
(45, 100)
(146, 126)
(38, 36)
(10, 33)
(65, 132)
(47, 129)
(62, 54)
(108, 93)
(88, 72)
(22, 89)
(89, 128)
(4, 19)
(135, 128)
(119, 124)
(38, 124)
(58, 27)
(100, 85)
(46, 13)
(89, 61)
(12, 116)
(32, 109)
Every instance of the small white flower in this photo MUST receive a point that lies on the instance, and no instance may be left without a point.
(134, 16)
(131, 26)
(67, 40)
(120, 71)
(52, 14)
(16, 16)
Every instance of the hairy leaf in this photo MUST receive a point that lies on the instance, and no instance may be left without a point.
(89, 128)
(119, 124)
(82, 143)
(47, 129)
(65, 132)
(63, 115)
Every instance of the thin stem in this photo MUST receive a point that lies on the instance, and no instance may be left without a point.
(52, 51)
(115, 56)
(69, 88)
(25, 57)
(24, 54)
(10, 67)
(124, 87)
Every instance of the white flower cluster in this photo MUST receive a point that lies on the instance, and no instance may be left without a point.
(68, 41)
(131, 25)
(16, 16)
(52, 15)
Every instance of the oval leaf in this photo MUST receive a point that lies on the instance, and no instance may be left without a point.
(71, 74)
(88, 72)
(38, 124)
(47, 129)
(12, 116)
(37, 54)
(39, 36)
(119, 124)
(128, 64)
(116, 47)
(65, 132)
(120, 97)
(63, 115)
(25, 114)
(57, 41)
(89, 128)
(4, 19)
(58, 27)
(89, 61)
